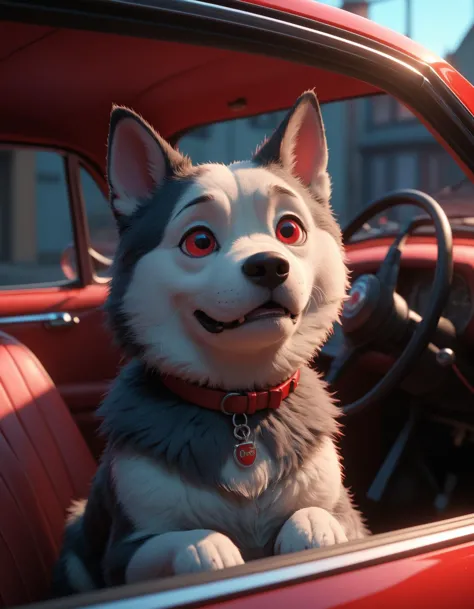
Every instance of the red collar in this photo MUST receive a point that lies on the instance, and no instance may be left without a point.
(231, 402)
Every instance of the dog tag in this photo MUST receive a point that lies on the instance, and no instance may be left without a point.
(245, 454)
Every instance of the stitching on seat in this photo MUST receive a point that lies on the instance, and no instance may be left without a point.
(46, 376)
(27, 524)
(21, 510)
(4, 547)
(26, 588)
(33, 446)
(14, 453)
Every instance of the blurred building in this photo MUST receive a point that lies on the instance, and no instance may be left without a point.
(463, 57)
(391, 147)
(35, 216)
(236, 140)
(375, 144)
(463, 60)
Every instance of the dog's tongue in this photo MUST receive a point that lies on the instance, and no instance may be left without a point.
(265, 311)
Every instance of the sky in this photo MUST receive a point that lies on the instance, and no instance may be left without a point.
(439, 25)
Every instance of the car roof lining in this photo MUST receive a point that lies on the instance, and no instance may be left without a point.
(61, 85)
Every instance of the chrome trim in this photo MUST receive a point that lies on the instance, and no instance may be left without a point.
(211, 591)
(53, 319)
(235, 12)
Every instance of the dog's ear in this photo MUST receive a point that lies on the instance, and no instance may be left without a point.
(138, 162)
(299, 144)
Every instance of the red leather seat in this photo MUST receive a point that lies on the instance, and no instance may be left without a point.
(44, 465)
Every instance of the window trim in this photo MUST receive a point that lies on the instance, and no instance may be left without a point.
(5, 219)
(101, 185)
(80, 224)
(278, 572)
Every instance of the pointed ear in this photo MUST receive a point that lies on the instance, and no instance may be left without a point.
(138, 162)
(299, 145)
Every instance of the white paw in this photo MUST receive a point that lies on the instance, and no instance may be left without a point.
(309, 528)
(210, 551)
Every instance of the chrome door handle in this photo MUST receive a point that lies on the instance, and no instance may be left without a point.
(50, 320)
(61, 320)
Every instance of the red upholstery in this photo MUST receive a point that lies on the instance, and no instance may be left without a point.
(44, 465)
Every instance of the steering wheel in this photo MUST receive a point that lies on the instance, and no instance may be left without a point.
(375, 314)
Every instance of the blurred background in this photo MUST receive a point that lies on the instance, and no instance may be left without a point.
(375, 145)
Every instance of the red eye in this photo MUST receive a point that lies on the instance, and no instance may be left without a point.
(289, 231)
(199, 243)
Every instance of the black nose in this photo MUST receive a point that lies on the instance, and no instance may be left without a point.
(267, 269)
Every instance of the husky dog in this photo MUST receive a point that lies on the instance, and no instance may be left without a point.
(220, 437)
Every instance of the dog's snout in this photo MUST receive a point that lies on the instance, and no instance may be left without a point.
(266, 269)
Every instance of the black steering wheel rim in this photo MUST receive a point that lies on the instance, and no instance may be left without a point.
(438, 296)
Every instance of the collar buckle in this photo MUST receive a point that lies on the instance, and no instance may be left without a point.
(225, 398)
(251, 403)
(274, 398)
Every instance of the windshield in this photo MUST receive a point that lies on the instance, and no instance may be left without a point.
(375, 145)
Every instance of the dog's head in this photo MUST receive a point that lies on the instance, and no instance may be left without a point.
(228, 275)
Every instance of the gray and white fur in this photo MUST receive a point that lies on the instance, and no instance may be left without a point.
(168, 498)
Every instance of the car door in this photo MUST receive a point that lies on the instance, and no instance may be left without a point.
(52, 289)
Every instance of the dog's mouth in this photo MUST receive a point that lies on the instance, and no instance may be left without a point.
(268, 310)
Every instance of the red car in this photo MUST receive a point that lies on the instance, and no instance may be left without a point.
(213, 78)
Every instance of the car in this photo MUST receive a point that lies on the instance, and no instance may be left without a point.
(214, 78)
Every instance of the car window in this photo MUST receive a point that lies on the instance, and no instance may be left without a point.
(35, 218)
(103, 232)
(375, 145)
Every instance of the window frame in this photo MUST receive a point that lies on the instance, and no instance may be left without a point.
(72, 161)
(101, 184)
(5, 237)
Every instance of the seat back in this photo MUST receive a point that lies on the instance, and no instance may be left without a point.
(44, 465)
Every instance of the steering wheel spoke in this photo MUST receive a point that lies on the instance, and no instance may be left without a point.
(346, 357)
(390, 267)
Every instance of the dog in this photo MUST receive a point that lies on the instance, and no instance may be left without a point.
(221, 439)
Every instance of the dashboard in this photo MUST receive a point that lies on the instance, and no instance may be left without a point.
(416, 280)
(415, 287)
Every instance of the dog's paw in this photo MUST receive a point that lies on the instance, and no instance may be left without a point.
(209, 552)
(309, 528)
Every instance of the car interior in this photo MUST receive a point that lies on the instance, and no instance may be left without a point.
(407, 446)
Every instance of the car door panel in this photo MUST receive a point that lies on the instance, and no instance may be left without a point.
(435, 580)
(81, 358)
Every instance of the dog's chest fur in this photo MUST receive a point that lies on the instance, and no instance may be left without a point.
(248, 505)
(173, 469)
